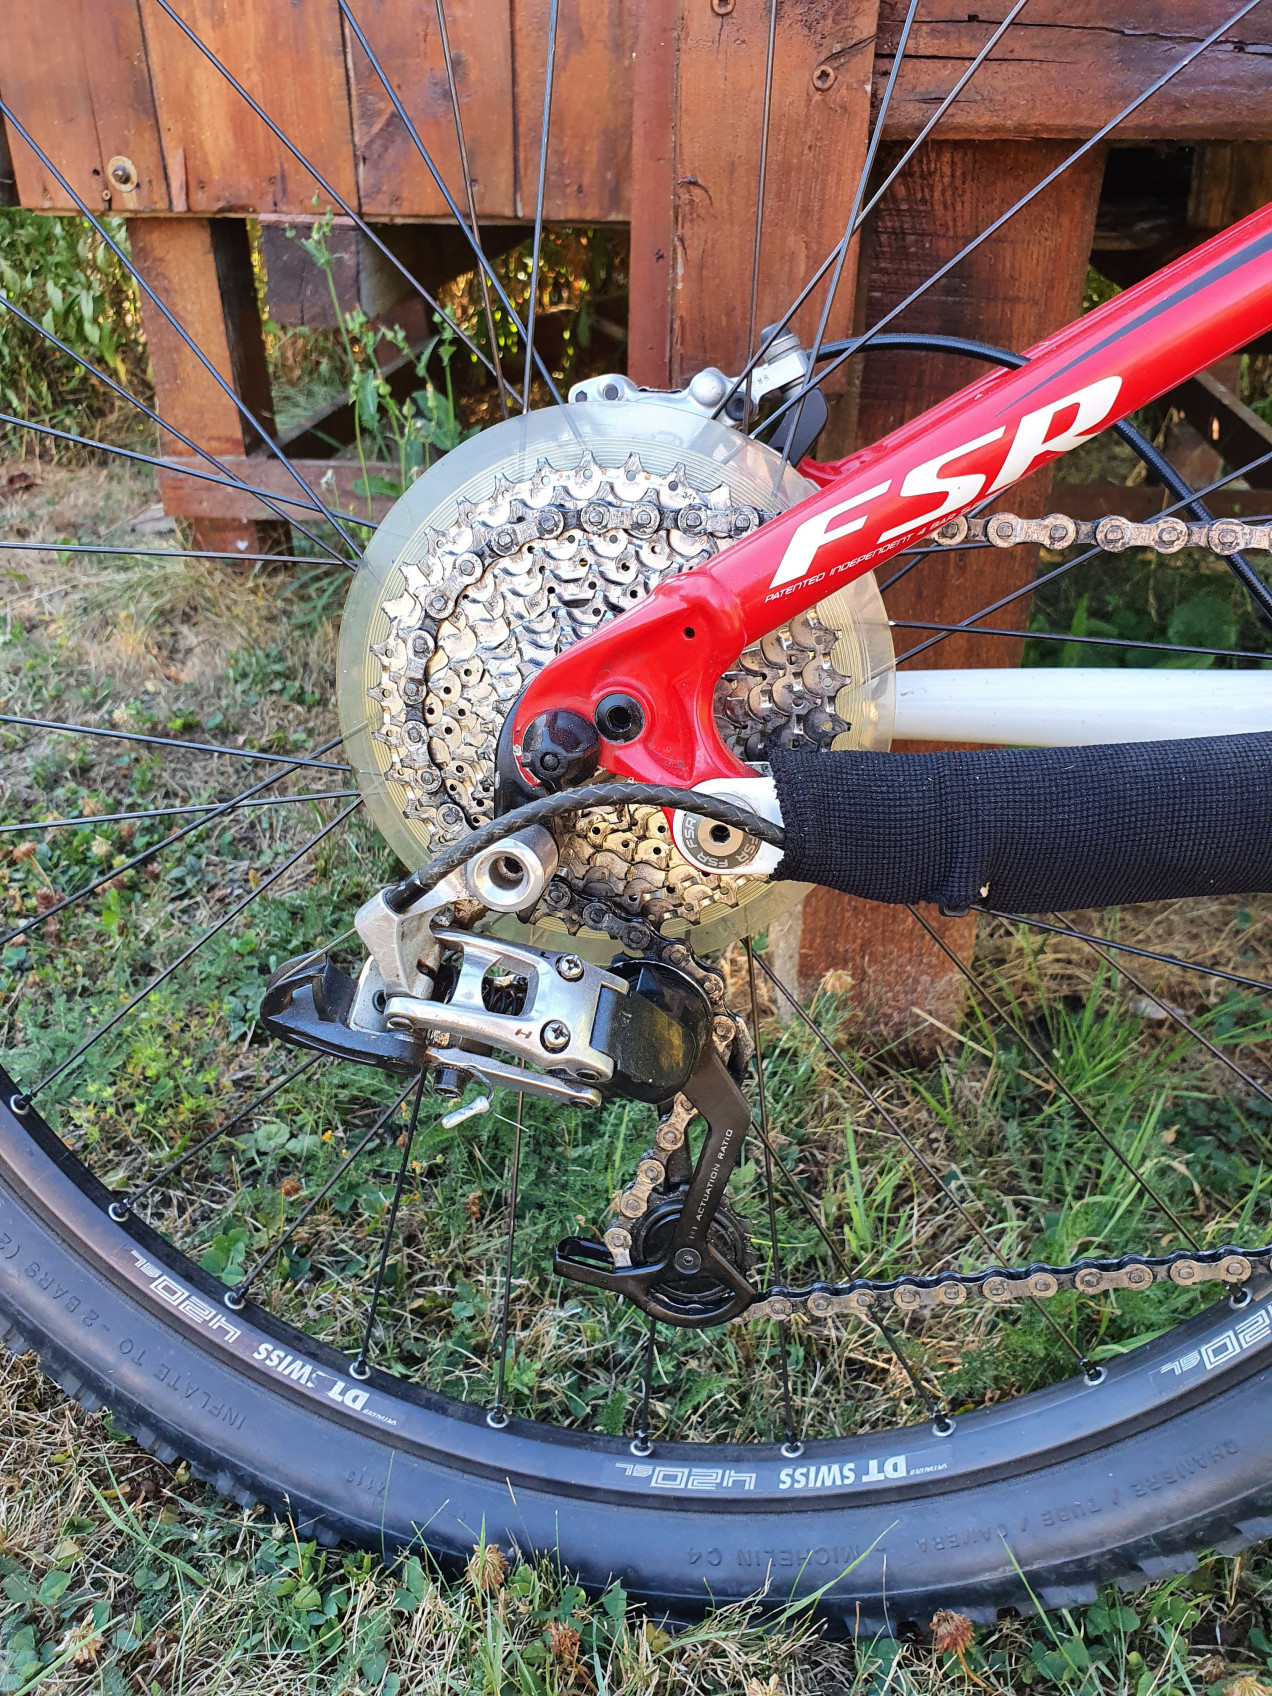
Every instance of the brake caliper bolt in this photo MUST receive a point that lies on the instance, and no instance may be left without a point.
(555, 1036)
(570, 967)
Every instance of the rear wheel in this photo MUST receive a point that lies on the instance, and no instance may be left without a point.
(331, 1289)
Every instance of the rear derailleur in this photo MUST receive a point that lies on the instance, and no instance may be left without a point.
(437, 994)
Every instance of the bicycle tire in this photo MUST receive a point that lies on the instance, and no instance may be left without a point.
(987, 1517)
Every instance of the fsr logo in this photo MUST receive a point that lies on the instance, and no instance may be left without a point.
(1030, 443)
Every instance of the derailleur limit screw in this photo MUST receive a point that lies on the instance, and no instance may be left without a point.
(570, 967)
(555, 1036)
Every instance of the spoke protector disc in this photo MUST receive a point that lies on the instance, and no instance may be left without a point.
(518, 544)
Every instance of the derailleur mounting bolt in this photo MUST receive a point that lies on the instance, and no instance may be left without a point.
(570, 967)
(687, 1260)
(555, 1036)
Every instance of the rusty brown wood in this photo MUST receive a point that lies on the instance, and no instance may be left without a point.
(290, 58)
(589, 150)
(1016, 288)
(86, 98)
(201, 269)
(653, 239)
(331, 480)
(697, 118)
(1068, 66)
(393, 179)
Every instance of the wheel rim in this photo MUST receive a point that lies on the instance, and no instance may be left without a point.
(506, 1380)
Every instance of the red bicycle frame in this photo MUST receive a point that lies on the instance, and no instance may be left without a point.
(669, 651)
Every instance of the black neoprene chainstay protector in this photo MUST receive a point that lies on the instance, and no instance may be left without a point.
(1033, 830)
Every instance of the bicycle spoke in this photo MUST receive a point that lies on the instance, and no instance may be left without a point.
(1040, 1058)
(498, 1415)
(235, 1298)
(139, 458)
(28, 1095)
(105, 378)
(222, 807)
(85, 819)
(640, 1444)
(915, 1153)
(292, 761)
(775, 330)
(761, 186)
(125, 1204)
(227, 389)
(916, 556)
(790, 1447)
(854, 216)
(1173, 1013)
(326, 187)
(168, 553)
(1128, 948)
(935, 1406)
(361, 1367)
(545, 129)
(486, 271)
(1083, 641)
(470, 200)
(1025, 199)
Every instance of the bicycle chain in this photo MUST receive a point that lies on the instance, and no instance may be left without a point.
(927, 1293)
(920, 1293)
(923, 1294)
(1114, 535)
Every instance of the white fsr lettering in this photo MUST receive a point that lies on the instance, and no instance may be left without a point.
(1032, 441)
(814, 532)
(959, 492)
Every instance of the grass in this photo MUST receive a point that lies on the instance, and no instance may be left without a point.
(120, 1575)
(164, 1574)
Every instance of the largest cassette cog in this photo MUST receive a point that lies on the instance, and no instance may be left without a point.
(520, 543)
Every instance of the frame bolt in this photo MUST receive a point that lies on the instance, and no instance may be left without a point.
(570, 967)
(555, 1036)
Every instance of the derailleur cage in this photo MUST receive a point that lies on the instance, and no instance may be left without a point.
(694, 1280)
(435, 995)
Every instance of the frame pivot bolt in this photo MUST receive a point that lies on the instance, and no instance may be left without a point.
(555, 1036)
(570, 967)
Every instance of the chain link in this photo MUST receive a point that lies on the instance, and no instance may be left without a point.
(940, 1291)
(922, 1293)
(1166, 535)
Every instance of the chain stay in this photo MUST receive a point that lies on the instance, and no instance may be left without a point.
(1166, 535)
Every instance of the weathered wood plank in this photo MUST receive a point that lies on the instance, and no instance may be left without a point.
(1017, 287)
(290, 58)
(201, 269)
(1066, 67)
(393, 179)
(332, 480)
(691, 276)
(590, 144)
(653, 237)
(86, 99)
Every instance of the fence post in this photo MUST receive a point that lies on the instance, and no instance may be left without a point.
(201, 269)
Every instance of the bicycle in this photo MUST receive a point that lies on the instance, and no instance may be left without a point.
(615, 675)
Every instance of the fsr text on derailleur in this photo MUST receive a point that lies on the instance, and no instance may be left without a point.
(435, 994)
